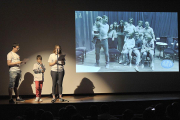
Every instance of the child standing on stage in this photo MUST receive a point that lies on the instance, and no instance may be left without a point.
(39, 69)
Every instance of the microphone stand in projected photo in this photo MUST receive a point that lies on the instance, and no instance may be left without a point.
(117, 41)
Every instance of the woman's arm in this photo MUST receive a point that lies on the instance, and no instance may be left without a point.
(53, 63)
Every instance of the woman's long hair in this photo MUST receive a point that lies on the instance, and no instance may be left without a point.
(60, 50)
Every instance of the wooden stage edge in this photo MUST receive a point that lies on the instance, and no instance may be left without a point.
(30, 99)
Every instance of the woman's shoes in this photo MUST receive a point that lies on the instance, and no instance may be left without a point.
(61, 100)
(53, 100)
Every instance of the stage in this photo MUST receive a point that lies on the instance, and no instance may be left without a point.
(99, 98)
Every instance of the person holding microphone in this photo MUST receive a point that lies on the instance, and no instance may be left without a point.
(57, 71)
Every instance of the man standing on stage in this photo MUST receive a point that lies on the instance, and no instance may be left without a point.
(131, 27)
(140, 29)
(148, 31)
(13, 61)
(103, 41)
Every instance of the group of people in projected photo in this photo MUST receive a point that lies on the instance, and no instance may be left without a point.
(130, 40)
(57, 73)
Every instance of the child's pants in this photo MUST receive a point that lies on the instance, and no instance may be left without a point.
(39, 85)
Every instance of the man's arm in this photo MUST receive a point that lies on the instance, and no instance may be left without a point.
(151, 47)
(140, 45)
(144, 48)
(152, 34)
(134, 29)
(9, 63)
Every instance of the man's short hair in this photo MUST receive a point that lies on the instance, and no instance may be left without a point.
(111, 25)
(15, 44)
(125, 22)
(147, 22)
(131, 19)
(39, 57)
(115, 22)
(140, 21)
(104, 16)
(98, 18)
(121, 21)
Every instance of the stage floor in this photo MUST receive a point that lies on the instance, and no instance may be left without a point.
(117, 103)
(101, 98)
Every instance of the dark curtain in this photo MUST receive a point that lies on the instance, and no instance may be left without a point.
(163, 23)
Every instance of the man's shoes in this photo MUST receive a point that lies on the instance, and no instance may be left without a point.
(126, 64)
(136, 68)
(142, 66)
(11, 101)
(97, 64)
(152, 67)
(120, 62)
(107, 66)
(20, 99)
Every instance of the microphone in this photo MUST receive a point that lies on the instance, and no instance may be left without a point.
(57, 50)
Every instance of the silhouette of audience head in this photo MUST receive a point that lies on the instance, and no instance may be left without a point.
(128, 114)
(61, 113)
(104, 108)
(148, 114)
(93, 111)
(77, 117)
(172, 110)
(69, 111)
(29, 113)
(47, 116)
(39, 113)
(159, 110)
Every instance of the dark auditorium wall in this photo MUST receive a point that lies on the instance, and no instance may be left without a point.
(37, 26)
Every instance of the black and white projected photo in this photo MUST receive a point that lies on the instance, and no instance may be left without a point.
(117, 41)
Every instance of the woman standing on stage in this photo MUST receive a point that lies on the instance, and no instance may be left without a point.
(57, 71)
